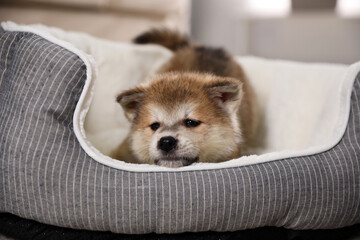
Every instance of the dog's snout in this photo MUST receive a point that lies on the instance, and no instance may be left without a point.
(167, 143)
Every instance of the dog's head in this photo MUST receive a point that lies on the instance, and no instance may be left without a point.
(181, 118)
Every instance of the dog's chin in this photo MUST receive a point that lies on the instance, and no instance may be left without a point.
(175, 162)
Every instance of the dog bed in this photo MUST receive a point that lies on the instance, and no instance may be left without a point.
(59, 120)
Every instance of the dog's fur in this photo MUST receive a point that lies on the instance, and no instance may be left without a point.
(200, 84)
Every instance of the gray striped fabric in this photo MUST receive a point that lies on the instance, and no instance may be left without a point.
(46, 176)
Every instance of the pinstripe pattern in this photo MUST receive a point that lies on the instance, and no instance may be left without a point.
(46, 176)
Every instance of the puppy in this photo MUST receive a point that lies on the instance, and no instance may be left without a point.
(198, 108)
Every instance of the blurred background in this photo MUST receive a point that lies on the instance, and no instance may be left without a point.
(301, 30)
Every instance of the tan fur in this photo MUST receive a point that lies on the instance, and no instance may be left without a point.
(197, 83)
(186, 60)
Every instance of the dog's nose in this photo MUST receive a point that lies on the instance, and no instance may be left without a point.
(167, 143)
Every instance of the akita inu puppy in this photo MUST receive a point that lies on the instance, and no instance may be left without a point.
(198, 108)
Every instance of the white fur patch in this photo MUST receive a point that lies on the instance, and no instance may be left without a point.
(236, 127)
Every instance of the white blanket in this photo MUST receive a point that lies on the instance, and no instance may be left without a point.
(304, 106)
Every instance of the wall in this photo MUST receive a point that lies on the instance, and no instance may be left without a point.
(303, 36)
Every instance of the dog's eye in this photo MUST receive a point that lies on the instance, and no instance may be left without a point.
(190, 123)
(155, 126)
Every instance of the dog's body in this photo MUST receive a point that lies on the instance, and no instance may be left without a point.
(199, 107)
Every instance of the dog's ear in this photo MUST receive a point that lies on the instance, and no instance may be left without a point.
(130, 101)
(226, 92)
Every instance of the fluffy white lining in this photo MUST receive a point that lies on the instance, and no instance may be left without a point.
(305, 106)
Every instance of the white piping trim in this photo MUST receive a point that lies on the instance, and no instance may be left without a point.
(86, 96)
